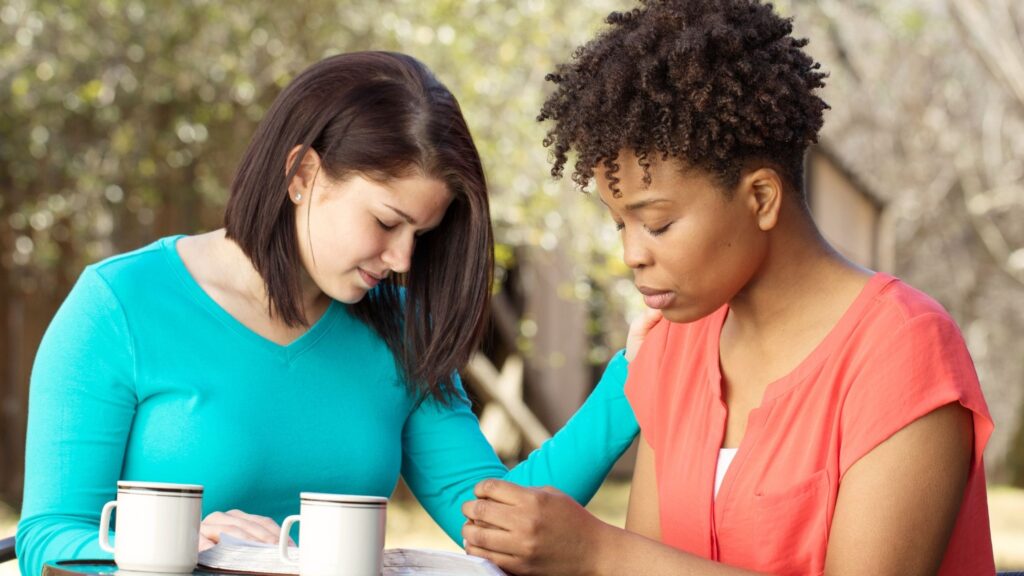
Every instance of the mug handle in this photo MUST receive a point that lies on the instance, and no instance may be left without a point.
(282, 541)
(105, 526)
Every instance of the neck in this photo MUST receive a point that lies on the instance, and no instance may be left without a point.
(239, 272)
(801, 279)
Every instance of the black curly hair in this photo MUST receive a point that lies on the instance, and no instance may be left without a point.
(716, 84)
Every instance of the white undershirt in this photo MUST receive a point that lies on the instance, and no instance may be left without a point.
(725, 456)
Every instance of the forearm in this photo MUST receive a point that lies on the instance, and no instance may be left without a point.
(52, 537)
(577, 459)
(622, 553)
(445, 455)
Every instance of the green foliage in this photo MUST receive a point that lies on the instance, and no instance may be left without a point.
(123, 119)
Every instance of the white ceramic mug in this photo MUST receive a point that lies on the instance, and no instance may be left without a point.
(339, 535)
(157, 526)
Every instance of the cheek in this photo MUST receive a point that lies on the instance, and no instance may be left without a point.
(742, 251)
(712, 251)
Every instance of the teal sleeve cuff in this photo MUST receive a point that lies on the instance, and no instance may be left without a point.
(577, 458)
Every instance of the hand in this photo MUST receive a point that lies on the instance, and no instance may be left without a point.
(638, 330)
(531, 530)
(240, 525)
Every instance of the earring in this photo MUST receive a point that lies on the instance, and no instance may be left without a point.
(298, 196)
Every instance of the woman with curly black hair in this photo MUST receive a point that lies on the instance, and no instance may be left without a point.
(799, 414)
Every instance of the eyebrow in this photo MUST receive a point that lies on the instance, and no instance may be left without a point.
(405, 216)
(633, 207)
(645, 203)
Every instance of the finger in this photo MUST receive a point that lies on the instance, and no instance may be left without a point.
(242, 520)
(267, 524)
(209, 531)
(504, 561)
(481, 523)
(492, 539)
(501, 491)
(217, 531)
(205, 543)
(650, 318)
(640, 327)
(217, 522)
(490, 513)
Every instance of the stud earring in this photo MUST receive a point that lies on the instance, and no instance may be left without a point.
(298, 196)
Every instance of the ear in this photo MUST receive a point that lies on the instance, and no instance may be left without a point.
(300, 188)
(763, 188)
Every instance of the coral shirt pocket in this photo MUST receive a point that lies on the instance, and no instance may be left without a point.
(780, 531)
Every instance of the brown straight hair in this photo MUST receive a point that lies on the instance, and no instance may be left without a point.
(382, 115)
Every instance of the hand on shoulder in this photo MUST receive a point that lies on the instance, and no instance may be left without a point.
(638, 331)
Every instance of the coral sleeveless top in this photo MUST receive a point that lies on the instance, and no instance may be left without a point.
(894, 356)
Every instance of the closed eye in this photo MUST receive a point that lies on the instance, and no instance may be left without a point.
(386, 227)
(659, 231)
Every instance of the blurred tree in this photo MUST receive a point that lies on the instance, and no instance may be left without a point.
(123, 119)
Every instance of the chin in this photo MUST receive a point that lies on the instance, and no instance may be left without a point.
(348, 295)
(684, 314)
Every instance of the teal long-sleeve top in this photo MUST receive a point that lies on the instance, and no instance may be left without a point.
(142, 376)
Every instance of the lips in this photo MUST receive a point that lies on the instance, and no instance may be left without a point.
(369, 279)
(657, 299)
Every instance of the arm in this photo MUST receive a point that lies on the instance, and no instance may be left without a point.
(577, 459)
(898, 504)
(579, 456)
(445, 455)
(643, 517)
(887, 520)
(81, 405)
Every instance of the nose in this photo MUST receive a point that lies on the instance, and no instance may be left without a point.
(398, 255)
(634, 252)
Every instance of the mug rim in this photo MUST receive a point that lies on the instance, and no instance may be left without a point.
(162, 487)
(313, 497)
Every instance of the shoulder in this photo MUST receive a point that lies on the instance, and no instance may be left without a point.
(901, 327)
(911, 361)
(672, 358)
(143, 265)
(671, 343)
(905, 358)
(897, 306)
(129, 265)
(96, 314)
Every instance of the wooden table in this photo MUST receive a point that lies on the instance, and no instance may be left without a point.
(77, 567)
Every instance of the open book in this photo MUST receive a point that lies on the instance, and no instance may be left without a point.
(233, 555)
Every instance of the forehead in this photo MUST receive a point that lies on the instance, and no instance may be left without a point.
(629, 178)
(419, 196)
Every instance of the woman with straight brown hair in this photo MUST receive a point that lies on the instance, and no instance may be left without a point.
(303, 347)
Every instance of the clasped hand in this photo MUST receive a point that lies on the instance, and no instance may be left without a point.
(531, 530)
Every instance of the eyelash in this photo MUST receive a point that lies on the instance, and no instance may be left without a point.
(385, 226)
(658, 232)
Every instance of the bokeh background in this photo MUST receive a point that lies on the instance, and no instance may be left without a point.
(121, 122)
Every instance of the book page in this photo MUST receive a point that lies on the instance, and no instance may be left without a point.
(234, 555)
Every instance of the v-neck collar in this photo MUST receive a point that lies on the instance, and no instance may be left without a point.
(809, 365)
(287, 352)
(758, 416)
